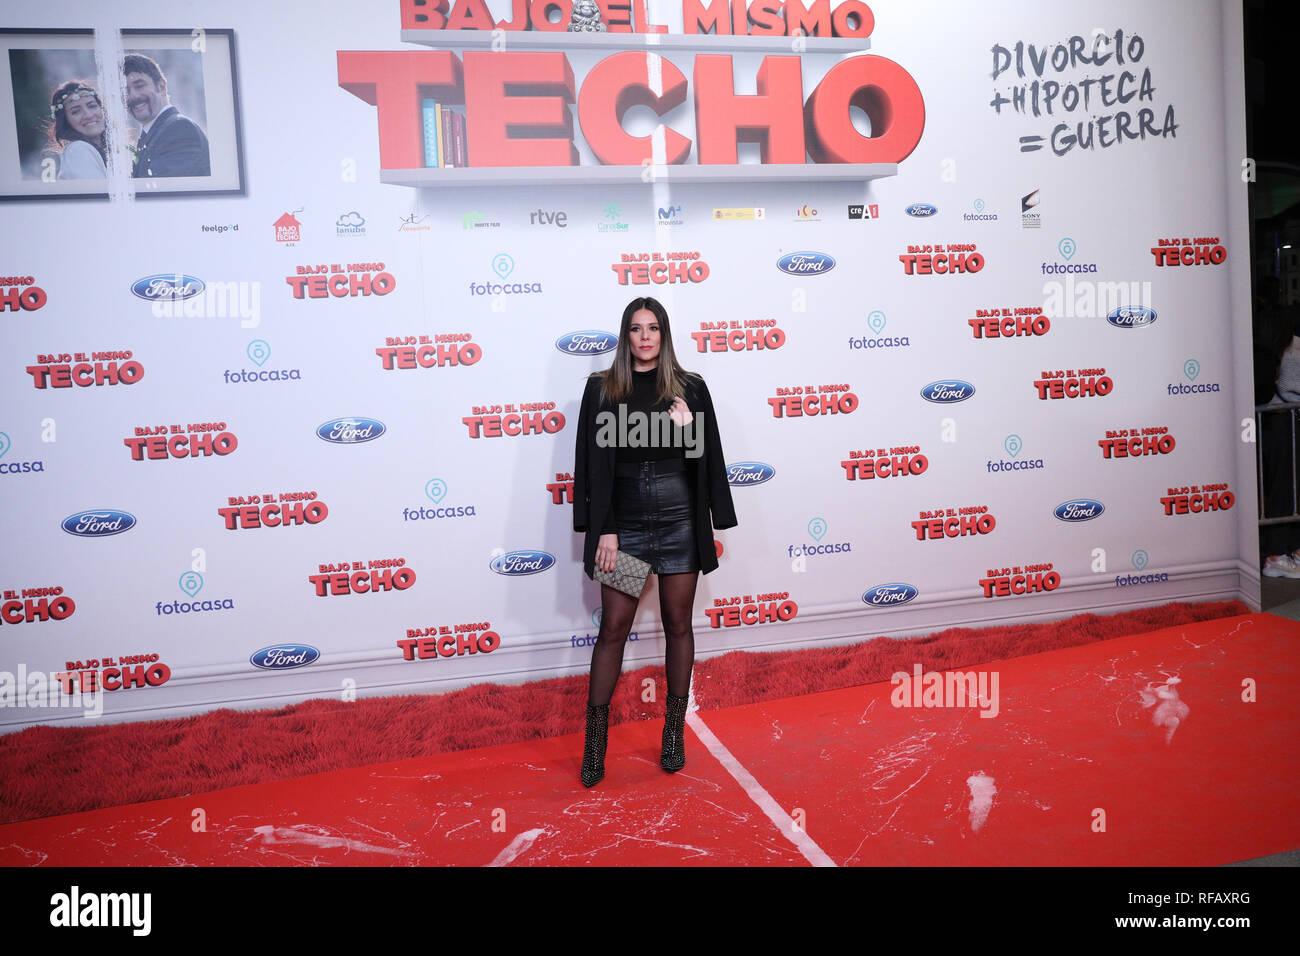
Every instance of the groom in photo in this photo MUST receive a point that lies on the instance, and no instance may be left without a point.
(170, 143)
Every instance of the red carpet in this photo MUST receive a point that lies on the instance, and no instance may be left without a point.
(1094, 758)
(114, 764)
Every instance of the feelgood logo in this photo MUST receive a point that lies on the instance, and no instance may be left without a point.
(921, 210)
(98, 524)
(1079, 509)
(1013, 446)
(517, 563)
(1191, 371)
(889, 595)
(587, 343)
(947, 391)
(284, 656)
(805, 263)
(166, 287)
(350, 431)
(744, 473)
(1132, 317)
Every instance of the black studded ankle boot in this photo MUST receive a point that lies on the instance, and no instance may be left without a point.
(593, 751)
(674, 752)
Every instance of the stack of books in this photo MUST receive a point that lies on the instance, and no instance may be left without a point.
(444, 135)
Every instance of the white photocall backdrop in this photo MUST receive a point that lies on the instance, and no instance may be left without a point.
(817, 558)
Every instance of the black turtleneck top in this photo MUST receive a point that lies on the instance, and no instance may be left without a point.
(642, 400)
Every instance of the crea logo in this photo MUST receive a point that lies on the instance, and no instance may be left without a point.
(1079, 509)
(281, 657)
(749, 473)
(889, 595)
(921, 210)
(162, 288)
(350, 431)
(521, 562)
(99, 523)
(587, 343)
(1131, 317)
(805, 263)
(947, 391)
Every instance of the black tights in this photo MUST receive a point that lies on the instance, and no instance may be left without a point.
(676, 600)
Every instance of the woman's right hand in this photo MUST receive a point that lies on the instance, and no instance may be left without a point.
(607, 552)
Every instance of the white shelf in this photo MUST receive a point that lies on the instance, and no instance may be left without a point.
(631, 175)
(602, 42)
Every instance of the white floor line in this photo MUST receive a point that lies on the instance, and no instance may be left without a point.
(815, 854)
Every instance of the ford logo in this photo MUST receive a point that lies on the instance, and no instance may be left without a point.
(521, 562)
(587, 343)
(888, 595)
(1132, 317)
(165, 287)
(349, 431)
(98, 524)
(948, 390)
(921, 210)
(1079, 509)
(749, 473)
(279, 657)
(805, 263)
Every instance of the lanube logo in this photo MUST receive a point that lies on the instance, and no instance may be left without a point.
(921, 210)
(744, 473)
(1132, 317)
(166, 287)
(1079, 509)
(350, 431)
(1189, 252)
(282, 657)
(517, 563)
(98, 524)
(587, 343)
(14, 297)
(805, 263)
(947, 391)
(889, 595)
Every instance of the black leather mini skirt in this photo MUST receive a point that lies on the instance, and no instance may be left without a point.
(654, 510)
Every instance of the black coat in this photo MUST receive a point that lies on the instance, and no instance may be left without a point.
(593, 476)
(174, 146)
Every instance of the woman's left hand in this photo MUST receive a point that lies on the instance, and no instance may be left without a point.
(680, 412)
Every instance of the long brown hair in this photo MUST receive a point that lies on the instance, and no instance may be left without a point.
(616, 381)
(59, 131)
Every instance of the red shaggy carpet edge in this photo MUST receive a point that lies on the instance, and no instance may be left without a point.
(46, 771)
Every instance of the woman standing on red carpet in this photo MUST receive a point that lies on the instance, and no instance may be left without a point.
(651, 499)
